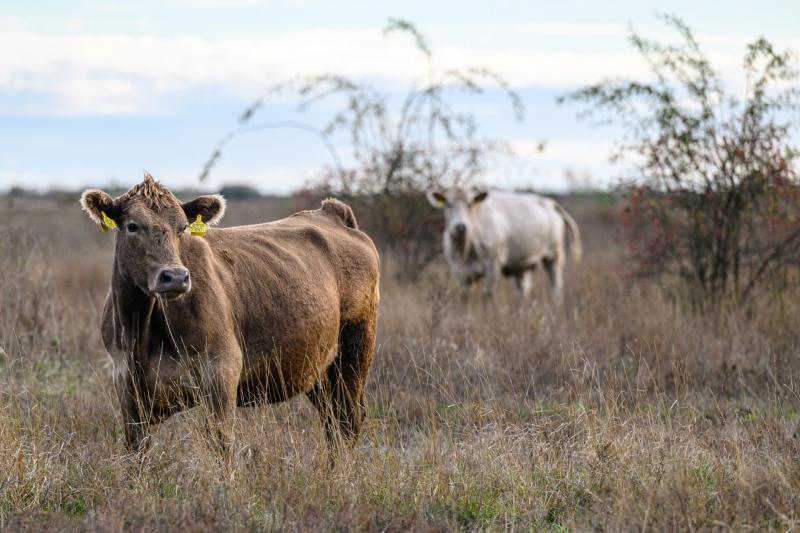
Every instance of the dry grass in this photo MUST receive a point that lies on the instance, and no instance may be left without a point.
(623, 410)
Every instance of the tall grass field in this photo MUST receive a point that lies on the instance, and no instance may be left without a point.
(623, 409)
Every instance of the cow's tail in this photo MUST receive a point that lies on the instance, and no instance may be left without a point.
(575, 246)
(340, 210)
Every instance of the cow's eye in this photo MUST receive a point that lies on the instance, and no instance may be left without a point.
(132, 227)
(183, 230)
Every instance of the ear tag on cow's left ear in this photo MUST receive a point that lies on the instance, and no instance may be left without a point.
(107, 223)
(198, 227)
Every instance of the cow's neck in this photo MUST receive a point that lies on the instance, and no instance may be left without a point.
(141, 324)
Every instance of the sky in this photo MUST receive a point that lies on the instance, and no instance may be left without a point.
(94, 93)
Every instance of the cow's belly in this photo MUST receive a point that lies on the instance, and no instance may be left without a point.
(290, 367)
(279, 366)
(518, 265)
(531, 250)
(280, 378)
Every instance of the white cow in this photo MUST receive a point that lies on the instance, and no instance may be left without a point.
(489, 234)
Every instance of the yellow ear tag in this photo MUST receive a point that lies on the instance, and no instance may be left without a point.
(198, 227)
(106, 223)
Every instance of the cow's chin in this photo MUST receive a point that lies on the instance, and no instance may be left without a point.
(459, 243)
(169, 295)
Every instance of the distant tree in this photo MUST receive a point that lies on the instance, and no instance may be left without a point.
(239, 192)
(20, 192)
(714, 195)
(397, 151)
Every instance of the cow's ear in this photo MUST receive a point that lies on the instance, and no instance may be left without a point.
(479, 197)
(96, 202)
(436, 198)
(211, 207)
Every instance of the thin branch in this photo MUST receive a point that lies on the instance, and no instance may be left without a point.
(261, 126)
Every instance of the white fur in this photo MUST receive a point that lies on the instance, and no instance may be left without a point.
(506, 230)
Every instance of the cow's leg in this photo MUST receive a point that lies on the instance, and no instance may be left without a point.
(320, 397)
(134, 409)
(492, 273)
(220, 380)
(348, 375)
(339, 394)
(555, 273)
(524, 282)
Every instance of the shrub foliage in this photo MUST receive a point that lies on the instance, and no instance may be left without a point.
(714, 197)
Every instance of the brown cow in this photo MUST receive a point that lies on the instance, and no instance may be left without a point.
(241, 316)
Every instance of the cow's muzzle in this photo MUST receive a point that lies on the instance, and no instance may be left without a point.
(172, 282)
(458, 236)
(459, 232)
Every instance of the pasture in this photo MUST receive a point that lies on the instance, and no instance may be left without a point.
(624, 410)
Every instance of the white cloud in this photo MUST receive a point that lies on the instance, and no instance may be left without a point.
(276, 179)
(580, 153)
(12, 23)
(569, 29)
(128, 73)
(657, 32)
(586, 160)
(215, 3)
(79, 74)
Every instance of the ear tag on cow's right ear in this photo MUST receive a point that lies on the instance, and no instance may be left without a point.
(107, 223)
(198, 227)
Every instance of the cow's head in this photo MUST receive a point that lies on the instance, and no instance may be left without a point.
(459, 207)
(152, 223)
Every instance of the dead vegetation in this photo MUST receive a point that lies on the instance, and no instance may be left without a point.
(625, 410)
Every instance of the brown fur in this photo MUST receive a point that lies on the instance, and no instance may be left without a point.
(274, 310)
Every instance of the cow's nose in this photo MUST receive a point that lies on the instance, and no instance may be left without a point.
(460, 229)
(173, 280)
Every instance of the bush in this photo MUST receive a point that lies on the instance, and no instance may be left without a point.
(715, 195)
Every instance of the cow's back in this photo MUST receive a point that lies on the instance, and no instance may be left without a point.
(525, 227)
(295, 276)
